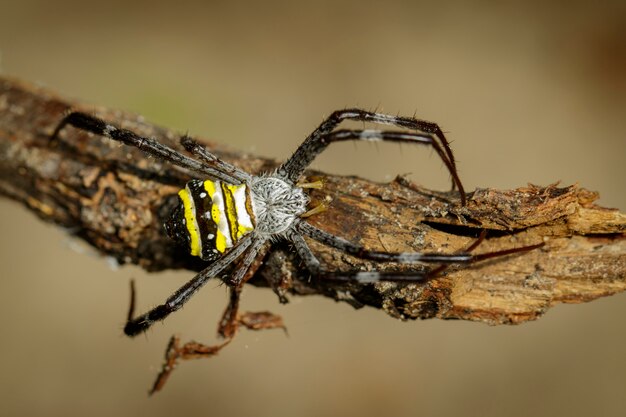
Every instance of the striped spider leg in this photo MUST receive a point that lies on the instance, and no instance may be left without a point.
(421, 132)
(358, 251)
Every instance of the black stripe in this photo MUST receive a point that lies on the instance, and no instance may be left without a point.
(202, 214)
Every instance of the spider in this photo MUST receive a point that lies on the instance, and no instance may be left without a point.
(233, 217)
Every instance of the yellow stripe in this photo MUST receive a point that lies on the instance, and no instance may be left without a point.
(209, 186)
(231, 211)
(235, 221)
(190, 219)
(241, 190)
(242, 230)
(220, 239)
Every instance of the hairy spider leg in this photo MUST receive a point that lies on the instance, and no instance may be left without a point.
(143, 322)
(229, 324)
(302, 158)
(92, 124)
(201, 152)
(315, 148)
(398, 257)
(304, 155)
(305, 254)
(339, 116)
(476, 243)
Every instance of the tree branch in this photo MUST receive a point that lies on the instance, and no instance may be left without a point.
(116, 198)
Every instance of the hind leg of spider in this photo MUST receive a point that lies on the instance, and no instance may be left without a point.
(314, 266)
(98, 126)
(307, 152)
(140, 324)
(176, 351)
(229, 323)
(438, 270)
(232, 319)
(293, 168)
(398, 257)
(317, 272)
(203, 153)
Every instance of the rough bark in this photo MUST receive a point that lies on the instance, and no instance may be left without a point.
(116, 198)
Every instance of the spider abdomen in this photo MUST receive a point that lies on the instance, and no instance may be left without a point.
(211, 217)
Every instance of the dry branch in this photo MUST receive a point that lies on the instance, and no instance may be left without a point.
(115, 198)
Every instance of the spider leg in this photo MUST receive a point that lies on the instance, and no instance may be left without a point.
(231, 318)
(276, 278)
(314, 148)
(438, 270)
(194, 350)
(229, 323)
(203, 153)
(304, 155)
(140, 324)
(305, 253)
(359, 251)
(98, 126)
(243, 271)
(314, 267)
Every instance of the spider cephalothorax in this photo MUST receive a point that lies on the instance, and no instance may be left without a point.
(233, 217)
(277, 204)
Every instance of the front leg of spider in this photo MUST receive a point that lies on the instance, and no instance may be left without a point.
(421, 133)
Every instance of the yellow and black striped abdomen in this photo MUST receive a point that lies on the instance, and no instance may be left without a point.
(211, 217)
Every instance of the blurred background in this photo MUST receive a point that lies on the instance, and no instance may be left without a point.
(528, 92)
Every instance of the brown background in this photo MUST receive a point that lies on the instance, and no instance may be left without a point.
(528, 93)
